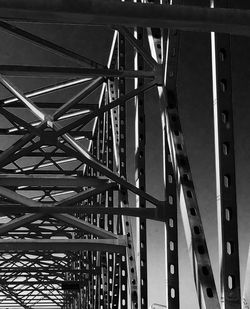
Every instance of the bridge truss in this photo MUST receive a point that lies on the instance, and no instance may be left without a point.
(66, 202)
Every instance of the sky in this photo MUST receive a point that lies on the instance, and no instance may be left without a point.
(196, 110)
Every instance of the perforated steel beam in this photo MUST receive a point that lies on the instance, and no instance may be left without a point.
(225, 168)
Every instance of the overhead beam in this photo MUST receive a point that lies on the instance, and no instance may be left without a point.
(58, 72)
(44, 270)
(33, 283)
(147, 213)
(110, 12)
(108, 245)
(49, 180)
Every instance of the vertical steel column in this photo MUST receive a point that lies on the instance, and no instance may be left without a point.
(140, 141)
(203, 275)
(110, 221)
(225, 168)
(94, 222)
(90, 254)
(84, 266)
(102, 200)
(159, 41)
(95, 254)
(113, 137)
(116, 278)
(170, 181)
(122, 161)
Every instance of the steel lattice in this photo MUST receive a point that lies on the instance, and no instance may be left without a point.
(67, 204)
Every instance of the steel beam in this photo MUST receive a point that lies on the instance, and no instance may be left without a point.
(225, 168)
(85, 226)
(45, 71)
(55, 245)
(140, 168)
(26, 284)
(106, 12)
(46, 90)
(34, 269)
(84, 195)
(51, 180)
(171, 186)
(18, 222)
(147, 213)
(15, 197)
(127, 261)
(52, 105)
(17, 93)
(78, 98)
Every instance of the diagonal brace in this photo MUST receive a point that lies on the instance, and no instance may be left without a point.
(85, 226)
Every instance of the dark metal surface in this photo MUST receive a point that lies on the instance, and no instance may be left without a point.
(106, 12)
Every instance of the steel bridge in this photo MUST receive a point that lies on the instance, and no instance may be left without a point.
(68, 208)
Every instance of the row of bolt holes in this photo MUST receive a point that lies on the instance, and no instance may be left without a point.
(122, 150)
(127, 223)
(229, 245)
(123, 285)
(200, 248)
(171, 243)
(131, 257)
(226, 148)
(171, 221)
(142, 226)
(141, 120)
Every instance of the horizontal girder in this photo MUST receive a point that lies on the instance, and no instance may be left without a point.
(106, 12)
(49, 180)
(62, 245)
(149, 213)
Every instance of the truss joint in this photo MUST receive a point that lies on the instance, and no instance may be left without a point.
(159, 75)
